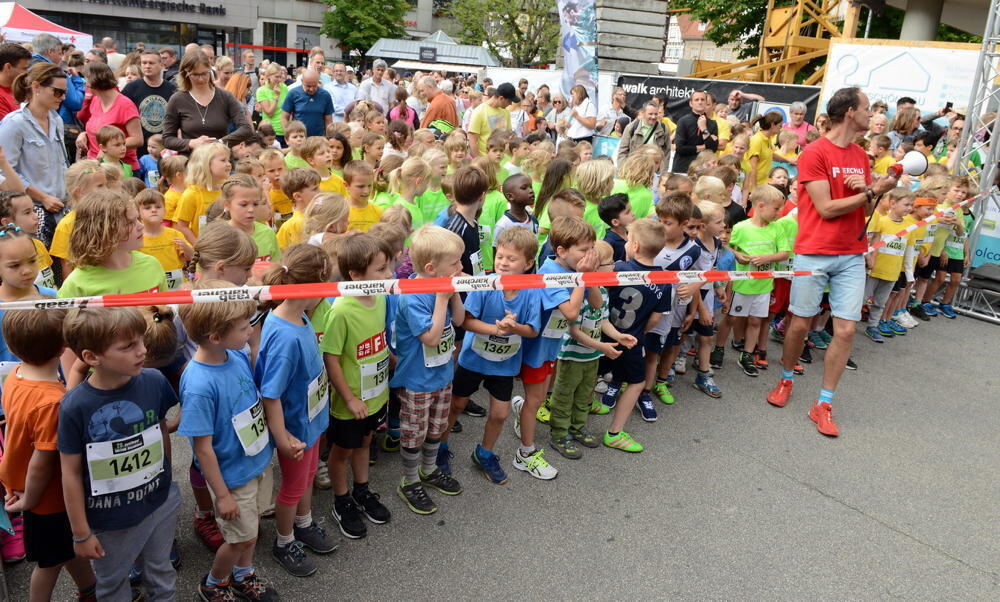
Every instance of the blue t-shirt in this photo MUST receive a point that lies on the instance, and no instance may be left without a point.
(631, 306)
(126, 472)
(309, 109)
(493, 355)
(147, 164)
(289, 364)
(442, 218)
(725, 263)
(545, 252)
(219, 399)
(545, 347)
(5, 354)
(617, 245)
(422, 369)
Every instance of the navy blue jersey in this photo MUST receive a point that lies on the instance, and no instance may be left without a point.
(472, 256)
(631, 306)
(617, 245)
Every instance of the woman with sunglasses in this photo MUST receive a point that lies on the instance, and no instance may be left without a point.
(108, 106)
(32, 139)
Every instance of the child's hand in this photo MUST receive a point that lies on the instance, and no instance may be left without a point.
(923, 260)
(357, 407)
(589, 262)
(14, 502)
(292, 448)
(704, 318)
(686, 291)
(90, 548)
(758, 260)
(610, 350)
(720, 294)
(628, 341)
(226, 507)
(870, 260)
(688, 320)
(741, 257)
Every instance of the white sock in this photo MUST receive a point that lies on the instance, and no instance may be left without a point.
(304, 521)
(283, 540)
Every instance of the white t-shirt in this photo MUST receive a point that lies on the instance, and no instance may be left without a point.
(577, 129)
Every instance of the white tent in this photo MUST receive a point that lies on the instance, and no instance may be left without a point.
(19, 24)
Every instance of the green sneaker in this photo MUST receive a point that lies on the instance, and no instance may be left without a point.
(662, 392)
(543, 414)
(622, 441)
(599, 408)
(584, 437)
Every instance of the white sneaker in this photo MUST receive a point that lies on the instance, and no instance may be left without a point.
(515, 408)
(322, 478)
(535, 465)
(911, 322)
(600, 387)
(681, 364)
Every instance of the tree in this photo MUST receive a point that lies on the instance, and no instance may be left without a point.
(519, 32)
(358, 25)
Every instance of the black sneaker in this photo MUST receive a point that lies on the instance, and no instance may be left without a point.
(474, 409)
(457, 427)
(748, 365)
(716, 358)
(293, 559)
(416, 498)
(373, 509)
(806, 357)
(347, 513)
(314, 537)
(851, 365)
(215, 593)
(737, 345)
(254, 588)
(440, 481)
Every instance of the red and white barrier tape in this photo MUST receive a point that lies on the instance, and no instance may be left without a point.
(930, 219)
(364, 288)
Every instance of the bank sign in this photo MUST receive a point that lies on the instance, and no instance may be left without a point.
(164, 6)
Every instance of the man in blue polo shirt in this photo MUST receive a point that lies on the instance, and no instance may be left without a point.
(309, 104)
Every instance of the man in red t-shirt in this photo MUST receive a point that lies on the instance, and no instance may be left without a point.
(835, 195)
(13, 62)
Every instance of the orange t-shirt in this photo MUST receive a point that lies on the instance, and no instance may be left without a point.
(32, 408)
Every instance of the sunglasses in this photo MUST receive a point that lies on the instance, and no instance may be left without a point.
(57, 92)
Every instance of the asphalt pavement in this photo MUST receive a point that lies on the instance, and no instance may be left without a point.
(732, 498)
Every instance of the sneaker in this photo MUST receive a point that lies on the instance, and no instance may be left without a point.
(822, 415)
(706, 384)
(347, 513)
(416, 498)
(806, 357)
(826, 336)
(948, 311)
(253, 588)
(490, 465)
(208, 531)
(645, 407)
(314, 537)
(135, 574)
(917, 311)
(457, 427)
(896, 328)
(885, 330)
(584, 437)
(390, 443)
(610, 397)
(474, 409)
(662, 392)
(760, 360)
(440, 481)
(322, 478)
(622, 441)
(175, 555)
(873, 333)
(681, 364)
(567, 447)
(671, 377)
(599, 408)
(600, 387)
(778, 397)
(817, 340)
(737, 345)
(776, 335)
(293, 559)
(543, 414)
(716, 358)
(535, 465)
(373, 509)
(911, 322)
(748, 365)
(851, 365)
(798, 369)
(215, 593)
(930, 310)
(516, 405)
(444, 458)
(268, 512)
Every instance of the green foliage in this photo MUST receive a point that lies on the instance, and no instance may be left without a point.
(358, 25)
(518, 32)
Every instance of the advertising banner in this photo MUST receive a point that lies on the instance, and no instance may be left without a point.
(578, 38)
(988, 243)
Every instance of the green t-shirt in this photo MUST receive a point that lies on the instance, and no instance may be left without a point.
(384, 200)
(267, 243)
(267, 94)
(320, 318)
(790, 226)
(752, 240)
(954, 245)
(125, 167)
(144, 275)
(431, 202)
(356, 334)
(493, 209)
(591, 216)
(639, 197)
(293, 161)
(590, 322)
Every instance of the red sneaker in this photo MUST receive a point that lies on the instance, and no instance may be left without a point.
(208, 531)
(760, 359)
(822, 415)
(12, 546)
(778, 396)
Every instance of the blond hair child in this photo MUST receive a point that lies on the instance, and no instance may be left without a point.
(359, 176)
(300, 185)
(172, 175)
(207, 169)
(241, 195)
(326, 216)
(595, 179)
(164, 243)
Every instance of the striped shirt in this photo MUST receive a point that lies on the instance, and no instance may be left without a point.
(590, 321)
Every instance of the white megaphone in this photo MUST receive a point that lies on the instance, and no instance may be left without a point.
(914, 163)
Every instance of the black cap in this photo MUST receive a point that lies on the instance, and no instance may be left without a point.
(507, 91)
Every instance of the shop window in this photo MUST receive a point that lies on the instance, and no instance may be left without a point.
(275, 34)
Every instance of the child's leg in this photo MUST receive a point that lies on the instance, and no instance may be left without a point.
(563, 404)
(624, 407)
(303, 509)
(667, 359)
(158, 575)
(722, 335)
(652, 365)
(936, 284)
(762, 333)
(458, 404)
(739, 326)
(921, 289)
(43, 581)
(953, 284)
(82, 573)
(586, 375)
(752, 330)
(413, 413)
(339, 457)
(534, 396)
(199, 488)
(499, 410)
(229, 556)
(704, 351)
(359, 462)
(296, 477)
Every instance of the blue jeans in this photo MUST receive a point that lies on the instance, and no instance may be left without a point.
(843, 274)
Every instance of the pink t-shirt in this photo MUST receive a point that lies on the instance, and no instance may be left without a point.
(122, 110)
(800, 131)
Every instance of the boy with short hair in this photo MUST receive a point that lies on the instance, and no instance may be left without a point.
(149, 164)
(300, 185)
(573, 241)
(115, 455)
(616, 212)
(425, 342)
(470, 185)
(735, 213)
(30, 467)
(882, 157)
(565, 203)
(713, 226)
(224, 417)
(520, 195)
(634, 310)
(112, 143)
(295, 137)
(358, 175)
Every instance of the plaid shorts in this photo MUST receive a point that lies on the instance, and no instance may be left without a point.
(423, 415)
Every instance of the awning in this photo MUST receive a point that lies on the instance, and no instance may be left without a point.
(449, 67)
(19, 24)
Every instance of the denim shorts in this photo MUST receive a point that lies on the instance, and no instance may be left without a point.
(844, 274)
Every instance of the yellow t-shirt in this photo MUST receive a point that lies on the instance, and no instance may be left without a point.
(170, 200)
(669, 123)
(724, 129)
(760, 147)
(280, 203)
(881, 166)
(485, 120)
(44, 262)
(333, 183)
(888, 258)
(921, 237)
(60, 238)
(363, 219)
(162, 247)
(290, 232)
(194, 205)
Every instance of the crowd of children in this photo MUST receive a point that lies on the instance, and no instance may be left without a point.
(321, 385)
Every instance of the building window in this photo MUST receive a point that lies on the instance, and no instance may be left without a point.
(276, 34)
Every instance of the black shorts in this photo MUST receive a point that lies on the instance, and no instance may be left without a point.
(48, 538)
(653, 342)
(955, 266)
(467, 382)
(927, 272)
(350, 434)
(702, 330)
(629, 367)
(900, 283)
(673, 338)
